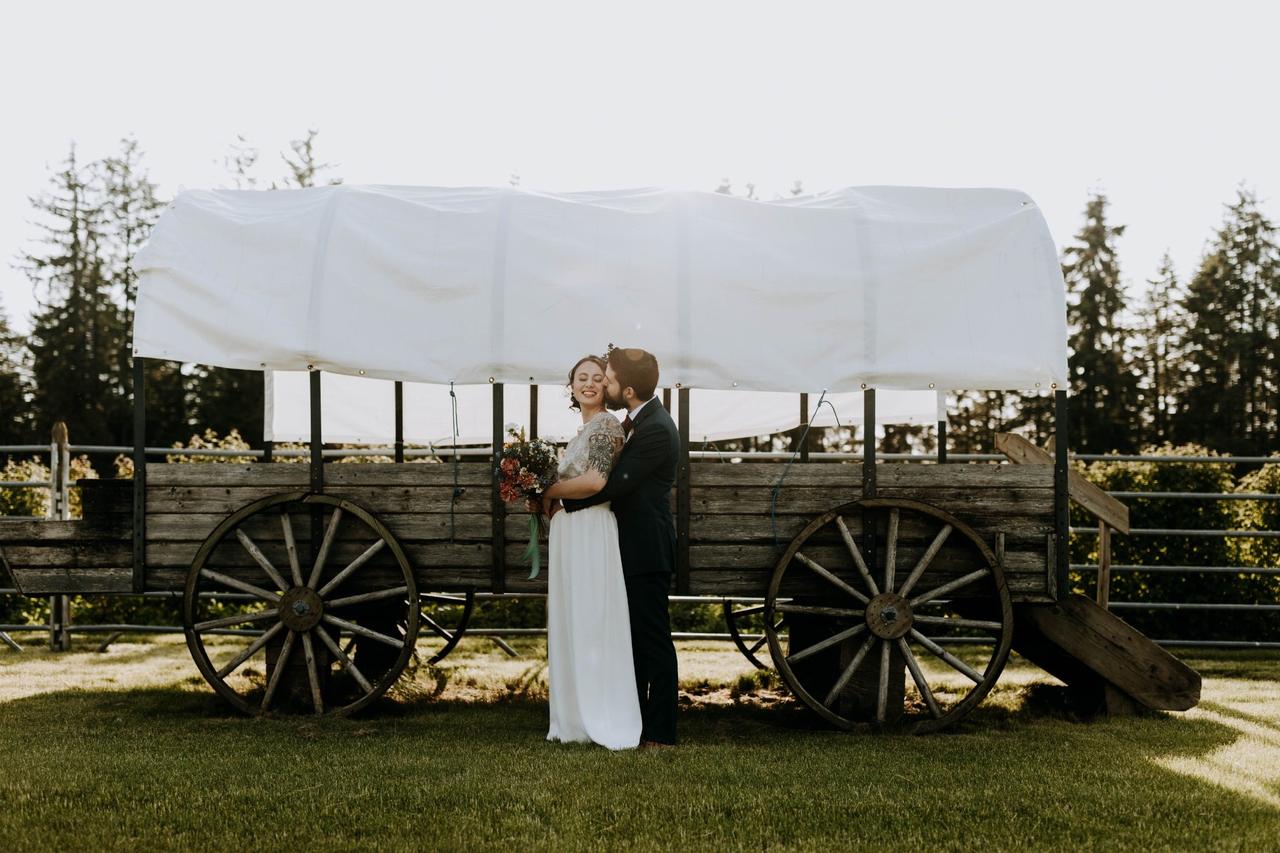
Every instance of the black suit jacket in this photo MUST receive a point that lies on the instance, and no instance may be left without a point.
(639, 488)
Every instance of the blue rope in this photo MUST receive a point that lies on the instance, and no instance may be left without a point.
(773, 499)
(457, 492)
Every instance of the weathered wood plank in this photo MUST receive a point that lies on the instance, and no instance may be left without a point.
(1103, 506)
(835, 558)
(69, 555)
(24, 530)
(406, 527)
(834, 474)
(733, 582)
(1083, 634)
(66, 580)
(815, 500)
(378, 500)
(294, 475)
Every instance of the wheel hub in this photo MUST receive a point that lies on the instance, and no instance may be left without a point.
(301, 609)
(889, 616)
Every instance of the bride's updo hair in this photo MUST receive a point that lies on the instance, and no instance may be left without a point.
(598, 362)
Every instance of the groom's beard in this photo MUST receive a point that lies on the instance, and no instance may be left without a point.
(613, 403)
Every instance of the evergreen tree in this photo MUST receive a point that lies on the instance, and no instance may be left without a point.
(130, 209)
(1233, 311)
(1161, 320)
(78, 330)
(304, 168)
(240, 160)
(1103, 413)
(15, 408)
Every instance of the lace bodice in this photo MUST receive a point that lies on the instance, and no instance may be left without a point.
(596, 446)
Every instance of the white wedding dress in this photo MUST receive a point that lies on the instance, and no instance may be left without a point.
(591, 675)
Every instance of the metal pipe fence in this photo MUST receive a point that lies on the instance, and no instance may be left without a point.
(57, 628)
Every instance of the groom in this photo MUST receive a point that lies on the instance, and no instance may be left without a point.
(639, 488)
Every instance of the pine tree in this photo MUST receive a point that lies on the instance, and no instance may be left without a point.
(240, 159)
(1104, 385)
(130, 209)
(1233, 321)
(304, 169)
(78, 330)
(1160, 321)
(15, 407)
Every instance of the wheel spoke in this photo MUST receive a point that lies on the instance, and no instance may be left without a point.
(934, 547)
(849, 670)
(276, 673)
(938, 592)
(819, 611)
(345, 661)
(827, 576)
(440, 598)
(291, 545)
(882, 694)
(227, 580)
(227, 621)
(325, 545)
(748, 611)
(368, 596)
(856, 553)
(261, 559)
(955, 662)
(891, 551)
(313, 673)
(363, 631)
(252, 650)
(827, 643)
(918, 677)
(355, 564)
(437, 627)
(980, 624)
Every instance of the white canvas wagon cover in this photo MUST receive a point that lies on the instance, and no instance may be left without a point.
(891, 287)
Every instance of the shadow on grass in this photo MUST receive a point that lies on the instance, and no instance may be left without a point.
(750, 775)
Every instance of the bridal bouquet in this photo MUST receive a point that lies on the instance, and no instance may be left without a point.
(527, 469)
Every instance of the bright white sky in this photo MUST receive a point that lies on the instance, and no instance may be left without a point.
(1167, 107)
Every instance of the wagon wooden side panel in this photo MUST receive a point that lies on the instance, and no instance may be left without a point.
(739, 529)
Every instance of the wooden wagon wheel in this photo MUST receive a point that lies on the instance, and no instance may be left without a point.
(302, 607)
(446, 616)
(736, 618)
(919, 585)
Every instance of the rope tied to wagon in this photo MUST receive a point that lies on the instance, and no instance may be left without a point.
(777, 487)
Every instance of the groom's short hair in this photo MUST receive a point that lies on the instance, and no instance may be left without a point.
(635, 368)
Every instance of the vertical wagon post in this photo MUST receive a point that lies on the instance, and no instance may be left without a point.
(139, 474)
(1061, 497)
(59, 510)
(498, 571)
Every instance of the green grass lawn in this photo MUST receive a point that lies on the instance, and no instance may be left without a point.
(130, 750)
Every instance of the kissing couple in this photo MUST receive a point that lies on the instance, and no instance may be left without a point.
(610, 658)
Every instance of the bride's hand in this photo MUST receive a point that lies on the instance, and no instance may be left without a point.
(550, 506)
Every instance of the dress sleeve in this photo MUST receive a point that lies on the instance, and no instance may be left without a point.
(604, 442)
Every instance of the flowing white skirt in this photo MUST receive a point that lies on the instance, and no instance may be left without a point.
(591, 675)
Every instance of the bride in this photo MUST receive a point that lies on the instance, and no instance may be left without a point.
(592, 685)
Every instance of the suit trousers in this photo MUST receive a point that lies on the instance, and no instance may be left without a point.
(655, 655)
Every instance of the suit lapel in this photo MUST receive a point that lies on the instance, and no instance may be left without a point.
(641, 416)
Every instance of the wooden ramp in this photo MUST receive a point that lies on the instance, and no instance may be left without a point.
(1103, 657)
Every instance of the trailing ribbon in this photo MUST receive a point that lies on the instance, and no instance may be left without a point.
(533, 554)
